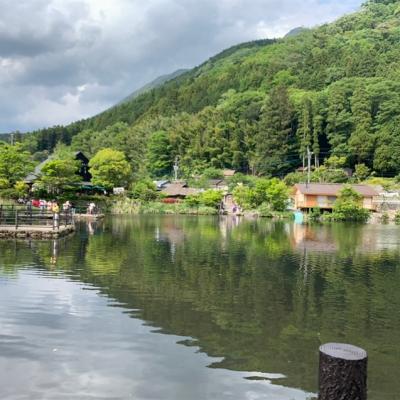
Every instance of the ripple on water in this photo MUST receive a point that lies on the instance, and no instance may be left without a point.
(195, 304)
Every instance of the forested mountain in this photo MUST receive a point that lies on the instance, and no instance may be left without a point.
(259, 105)
(153, 84)
(296, 31)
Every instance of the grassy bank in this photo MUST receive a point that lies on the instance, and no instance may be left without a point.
(134, 207)
(121, 206)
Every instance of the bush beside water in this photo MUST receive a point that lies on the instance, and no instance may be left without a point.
(131, 206)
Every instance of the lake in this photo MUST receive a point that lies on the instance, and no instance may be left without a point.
(182, 308)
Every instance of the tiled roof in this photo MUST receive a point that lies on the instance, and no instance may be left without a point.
(333, 189)
(178, 189)
(228, 172)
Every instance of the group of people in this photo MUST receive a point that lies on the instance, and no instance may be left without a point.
(45, 205)
(52, 206)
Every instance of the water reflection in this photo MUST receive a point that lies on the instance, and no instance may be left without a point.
(247, 296)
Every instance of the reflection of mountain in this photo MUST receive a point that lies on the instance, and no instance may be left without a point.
(247, 294)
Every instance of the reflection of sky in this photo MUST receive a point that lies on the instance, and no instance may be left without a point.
(58, 341)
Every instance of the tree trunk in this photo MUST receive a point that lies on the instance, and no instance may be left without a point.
(342, 372)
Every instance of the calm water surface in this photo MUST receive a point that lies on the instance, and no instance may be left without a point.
(181, 308)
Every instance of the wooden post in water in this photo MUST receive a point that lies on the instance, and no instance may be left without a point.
(342, 372)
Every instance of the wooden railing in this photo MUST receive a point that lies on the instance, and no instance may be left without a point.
(21, 216)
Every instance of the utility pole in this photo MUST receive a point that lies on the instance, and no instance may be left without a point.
(12, 139)
(309, 155)
(176, 168)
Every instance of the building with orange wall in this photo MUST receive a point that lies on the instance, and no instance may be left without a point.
(324, 195)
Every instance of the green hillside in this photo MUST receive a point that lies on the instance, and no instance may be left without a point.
(259, 105)
(153, 84)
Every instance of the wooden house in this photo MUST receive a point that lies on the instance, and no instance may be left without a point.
(324, 195)
(228, 173)
(178, 190)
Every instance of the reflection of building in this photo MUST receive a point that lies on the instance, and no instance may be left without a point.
(324, 195)
(228, 223)
(170, 231)
(313, 239)
(333, 238)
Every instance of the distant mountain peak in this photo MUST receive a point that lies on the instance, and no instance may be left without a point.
(154, 84)
(296, 31)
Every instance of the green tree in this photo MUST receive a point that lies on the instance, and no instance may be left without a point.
(144, 190)
(159, 157)
(276, 138)
(339, 118)
(15, 164)
(348, 206)
(59, 175)
(86, 141)
(211, 198)
(361, 141)
(109, 168)
(244, 196)
(277, 194)
(213, 173)
(362, 172)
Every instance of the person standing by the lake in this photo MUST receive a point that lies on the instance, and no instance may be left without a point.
(56, 213)
(42, 205)
(49, 206)
(92, 208)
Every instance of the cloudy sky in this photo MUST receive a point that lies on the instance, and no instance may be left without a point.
(63, 60)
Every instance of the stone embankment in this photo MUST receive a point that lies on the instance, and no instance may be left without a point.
(32, 232)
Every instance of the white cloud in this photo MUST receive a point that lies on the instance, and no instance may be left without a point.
(62, 60)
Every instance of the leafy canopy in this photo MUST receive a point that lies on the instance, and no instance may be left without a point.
(60, 174)
(15, 164)
(109, 168)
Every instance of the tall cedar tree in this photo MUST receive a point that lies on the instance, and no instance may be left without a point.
(276, 139)
(361, 142)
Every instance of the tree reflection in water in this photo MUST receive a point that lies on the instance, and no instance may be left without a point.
(261, 295)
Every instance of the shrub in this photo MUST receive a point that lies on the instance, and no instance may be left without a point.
(265, 210)
(384, 218)
(244, 196)
(193, 200)
(277, 194)
(272, 191)
(362, 172)
(213, 173)
(9, 194)
(211, 198)
(330, 175)
(21, 188)
(144, 190)
(348, 208)
(240, 179)
(315, 214)
(294, 177)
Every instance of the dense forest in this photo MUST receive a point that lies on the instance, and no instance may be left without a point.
(258, 106)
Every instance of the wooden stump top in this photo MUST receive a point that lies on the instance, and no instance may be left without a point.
(343, 351)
